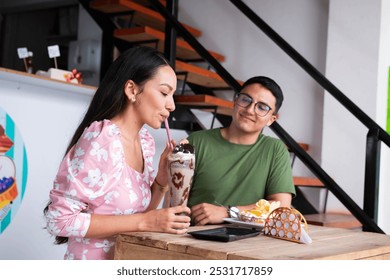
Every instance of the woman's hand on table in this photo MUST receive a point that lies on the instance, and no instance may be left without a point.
(206, 213)
(168, 220)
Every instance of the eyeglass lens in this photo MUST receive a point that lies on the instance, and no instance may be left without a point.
(244, 100)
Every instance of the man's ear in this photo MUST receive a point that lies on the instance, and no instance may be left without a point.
(272, 119)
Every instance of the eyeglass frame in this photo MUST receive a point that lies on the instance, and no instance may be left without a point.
(247, 95)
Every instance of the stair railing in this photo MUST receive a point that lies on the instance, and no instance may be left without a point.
(375, 132)
(181, 30)
(373, 138)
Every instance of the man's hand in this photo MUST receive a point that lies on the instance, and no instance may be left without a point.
(206, 213)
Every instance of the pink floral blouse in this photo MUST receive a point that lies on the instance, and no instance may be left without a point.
(94, 178)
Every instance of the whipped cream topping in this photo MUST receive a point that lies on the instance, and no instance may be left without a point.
(181, 156)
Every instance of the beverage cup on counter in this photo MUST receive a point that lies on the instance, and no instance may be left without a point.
(180, 173)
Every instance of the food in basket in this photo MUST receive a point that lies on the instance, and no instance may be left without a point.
(260, 213)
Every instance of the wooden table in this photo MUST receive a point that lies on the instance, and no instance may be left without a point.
(328, 243)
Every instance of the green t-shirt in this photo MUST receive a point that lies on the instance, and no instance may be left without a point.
(235, 174)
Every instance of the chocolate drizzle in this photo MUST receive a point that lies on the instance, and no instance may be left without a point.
(184, 148)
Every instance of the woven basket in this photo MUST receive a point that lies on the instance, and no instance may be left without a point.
(285, 223)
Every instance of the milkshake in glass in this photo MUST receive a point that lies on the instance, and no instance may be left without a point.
(180, 173)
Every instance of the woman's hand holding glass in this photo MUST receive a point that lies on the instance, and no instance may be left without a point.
(167, 220)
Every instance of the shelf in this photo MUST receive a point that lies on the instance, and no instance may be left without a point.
(45, 82)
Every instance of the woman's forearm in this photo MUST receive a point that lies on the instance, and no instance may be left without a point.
(102, 226)
(158, 192)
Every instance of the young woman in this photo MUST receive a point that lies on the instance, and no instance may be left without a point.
(106, 183)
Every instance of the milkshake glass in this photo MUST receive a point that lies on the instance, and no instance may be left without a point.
(180, 173)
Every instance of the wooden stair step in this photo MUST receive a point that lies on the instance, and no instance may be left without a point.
(224, 107)
(304, 146)
(145, 34)
(200, 76)
(339, 220)
(147, 3)
(307, 181)
(142, 16)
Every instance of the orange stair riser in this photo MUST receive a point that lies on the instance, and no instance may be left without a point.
(146, 33)
(114, 6)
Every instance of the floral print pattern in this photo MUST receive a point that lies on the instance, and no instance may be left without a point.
(94, 178)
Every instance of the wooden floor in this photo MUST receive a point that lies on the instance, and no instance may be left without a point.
(339, 220)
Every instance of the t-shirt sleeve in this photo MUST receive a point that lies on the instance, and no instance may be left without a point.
(280, 179)
(85, 176)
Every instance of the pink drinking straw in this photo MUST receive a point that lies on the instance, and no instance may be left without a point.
(168, 133)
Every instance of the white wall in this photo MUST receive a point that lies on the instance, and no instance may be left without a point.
(357, 63)
(248, 52)
(382, 111)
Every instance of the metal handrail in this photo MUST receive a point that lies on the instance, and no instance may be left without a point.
(366, 221)
(376, 133)
(312, 71)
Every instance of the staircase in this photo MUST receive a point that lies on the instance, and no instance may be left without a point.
(312, 215)
(138, 24)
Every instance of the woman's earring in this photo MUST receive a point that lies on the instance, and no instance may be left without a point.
(133, 99)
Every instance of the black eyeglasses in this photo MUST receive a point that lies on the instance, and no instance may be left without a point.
(245, 100)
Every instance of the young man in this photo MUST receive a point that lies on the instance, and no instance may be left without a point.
(238, 165)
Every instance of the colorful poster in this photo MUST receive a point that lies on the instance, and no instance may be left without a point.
(13, 170)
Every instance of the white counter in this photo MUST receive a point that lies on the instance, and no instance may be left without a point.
(46, 112)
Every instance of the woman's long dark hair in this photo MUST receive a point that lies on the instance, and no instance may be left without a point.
(138, 64)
